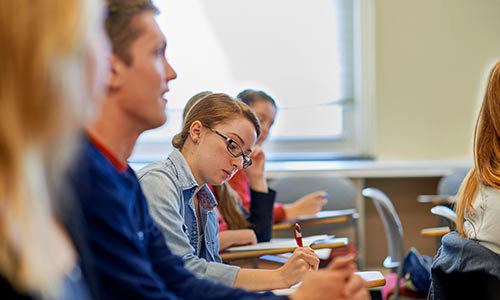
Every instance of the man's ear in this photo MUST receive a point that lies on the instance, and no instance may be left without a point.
(195, 131)
(117, 66)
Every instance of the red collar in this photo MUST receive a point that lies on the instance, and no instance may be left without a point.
(120, 165)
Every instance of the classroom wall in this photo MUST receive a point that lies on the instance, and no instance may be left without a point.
(432, 59)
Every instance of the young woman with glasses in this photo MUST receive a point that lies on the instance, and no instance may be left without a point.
(215, 142)
(237, 226)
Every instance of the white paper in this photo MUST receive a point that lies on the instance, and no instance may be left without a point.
(278, 243)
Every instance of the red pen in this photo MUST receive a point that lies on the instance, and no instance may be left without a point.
(298, 235)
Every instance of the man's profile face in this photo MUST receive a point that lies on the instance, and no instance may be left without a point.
(145, 80)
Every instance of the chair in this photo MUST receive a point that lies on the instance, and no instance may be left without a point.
(445, 212)
(450, 184)
(394, 232)
(447, 189)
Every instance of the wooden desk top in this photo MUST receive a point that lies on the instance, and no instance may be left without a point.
(331, 244)
(321, 218)
(374, 278)
(435, 231)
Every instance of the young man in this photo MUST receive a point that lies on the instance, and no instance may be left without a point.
(128, 257)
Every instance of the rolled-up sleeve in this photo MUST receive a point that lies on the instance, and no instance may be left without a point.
(165, 205)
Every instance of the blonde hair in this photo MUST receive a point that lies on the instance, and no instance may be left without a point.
(486, 169)
(43, 90)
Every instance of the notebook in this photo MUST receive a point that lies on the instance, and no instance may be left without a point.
(281, 243)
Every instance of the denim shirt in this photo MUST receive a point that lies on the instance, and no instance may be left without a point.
(169, 187)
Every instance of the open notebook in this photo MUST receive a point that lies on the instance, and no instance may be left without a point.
(281, 243)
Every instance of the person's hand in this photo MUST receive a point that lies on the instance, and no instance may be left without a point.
(337, 281)
(255, 172)
(228, 238)
(309, 204)
(298, 265)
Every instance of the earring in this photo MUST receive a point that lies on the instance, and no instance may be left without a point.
(195, 141)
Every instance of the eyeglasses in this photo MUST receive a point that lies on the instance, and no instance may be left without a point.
(234, 149)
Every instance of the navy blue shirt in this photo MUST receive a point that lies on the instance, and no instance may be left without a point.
(128, 254)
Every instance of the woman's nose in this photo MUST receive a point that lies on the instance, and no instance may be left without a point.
(238, 162)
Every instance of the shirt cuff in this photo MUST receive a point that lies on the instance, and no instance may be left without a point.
(225, 274)
(279, 213)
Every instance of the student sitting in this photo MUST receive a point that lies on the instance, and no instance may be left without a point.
(238, 226)
(244, 181)
(217, 135)
(467, 266)
(129, 255)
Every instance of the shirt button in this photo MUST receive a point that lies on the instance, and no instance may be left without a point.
(193, 232)
(140, 235)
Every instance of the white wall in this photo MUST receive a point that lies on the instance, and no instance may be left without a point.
(432, 59)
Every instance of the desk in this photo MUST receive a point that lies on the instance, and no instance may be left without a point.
(374, 279)
(333, 243)
(435, 231)
(403, 181)
(321, 218)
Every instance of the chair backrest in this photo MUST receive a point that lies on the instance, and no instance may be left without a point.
(449, 184)
(392, 226)
(341, 191)
(445, 212)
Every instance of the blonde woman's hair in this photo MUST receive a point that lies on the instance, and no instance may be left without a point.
(486, 169)
(43, 89)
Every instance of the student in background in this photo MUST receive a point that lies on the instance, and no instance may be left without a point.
(216, 138)
(243, 182)
(236, 225)
(129, 254)
(478, 201)
(48, 89)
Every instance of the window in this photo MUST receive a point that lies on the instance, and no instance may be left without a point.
(306, 54)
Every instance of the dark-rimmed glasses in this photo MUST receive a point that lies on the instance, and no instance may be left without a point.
(234, 149)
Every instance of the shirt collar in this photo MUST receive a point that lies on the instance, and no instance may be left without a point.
(186, 177)
(120, 165)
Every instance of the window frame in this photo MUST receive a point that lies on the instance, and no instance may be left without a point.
(357, 140)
